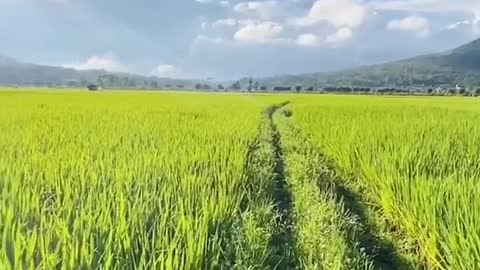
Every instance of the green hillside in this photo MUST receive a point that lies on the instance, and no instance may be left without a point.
(13, 72)
(458, 66)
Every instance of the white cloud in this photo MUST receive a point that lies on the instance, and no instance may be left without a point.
(264, 10)
(228, 22)
(224, 3)
(457, 25)
(470, 7)
(426, 5)
(216, 2)
(476, 21)
(307, 40)
(166, 71)
(339, 13)
(259, 32)
(420, 26)
(338, 38)
(103, 62)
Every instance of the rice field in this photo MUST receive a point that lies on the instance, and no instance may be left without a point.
(164, 180)
(413, 161)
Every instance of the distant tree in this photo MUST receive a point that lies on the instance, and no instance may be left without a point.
(198, 86)
(110, 80)
(236, 86)
(250, 85)
(101, 80)
(69, 83)
(256, 86)
(84, 83)
(430, 91)
(154, 84)
(298, 88)
(282, 88)
(125, 82)
(263, 88)
(477, 92)
(220, 87)
(451, 92)
(462, 91)
(132, 83)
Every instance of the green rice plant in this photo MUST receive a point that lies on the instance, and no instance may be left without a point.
(146, 180)
(416, 160)
(125, 180)
(325, 232)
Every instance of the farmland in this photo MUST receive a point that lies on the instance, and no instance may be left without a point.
(148, 180)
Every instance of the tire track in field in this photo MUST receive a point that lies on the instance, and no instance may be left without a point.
(381, 252)
(361, 236)
(283, 241)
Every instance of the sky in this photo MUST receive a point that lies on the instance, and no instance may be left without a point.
(228, 39)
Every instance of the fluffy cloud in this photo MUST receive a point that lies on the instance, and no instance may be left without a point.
(414, 24)
(476, 22)
(264, 10)
(104, 62)
(469, 7)
(336, 39)
(307, 40)
(259, 32)
(339, 13)
(341, 36)
(426, 5)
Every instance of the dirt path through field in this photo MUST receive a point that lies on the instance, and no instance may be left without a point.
(283, 242)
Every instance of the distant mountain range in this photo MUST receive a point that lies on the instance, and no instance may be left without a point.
(13, 72)
(458, 66)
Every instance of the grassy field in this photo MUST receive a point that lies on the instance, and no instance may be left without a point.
(149, 180)
(406, 171)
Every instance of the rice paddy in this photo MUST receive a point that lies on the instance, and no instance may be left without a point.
(164, 180)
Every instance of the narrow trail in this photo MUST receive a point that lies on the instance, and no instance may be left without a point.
(381, 252)
(362, 236)
(283, 242)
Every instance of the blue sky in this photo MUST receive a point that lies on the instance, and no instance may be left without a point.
(230, 39)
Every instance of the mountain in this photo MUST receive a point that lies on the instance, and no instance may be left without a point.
(13, 72)
(18, 73)
(4, 60)
(458, 66)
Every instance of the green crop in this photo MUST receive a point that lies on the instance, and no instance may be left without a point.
(416, 159)
(121, 180)
(149, 180)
